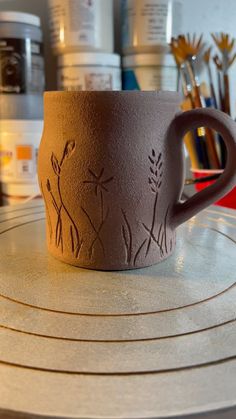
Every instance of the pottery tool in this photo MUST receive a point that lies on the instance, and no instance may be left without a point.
(194, 141)
(206, 58)
(189, 138)
(225, 44)
(206, 94)
(186, 85)
(209, 102)
(209, 178)
(219, 81)
(188, 50)
(223, 85)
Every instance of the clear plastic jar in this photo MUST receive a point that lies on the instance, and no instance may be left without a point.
(149, 72)
(22, 80)
(81, 25)
(148, 25)
(89, 71)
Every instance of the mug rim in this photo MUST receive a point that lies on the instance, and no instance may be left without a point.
(164, 95)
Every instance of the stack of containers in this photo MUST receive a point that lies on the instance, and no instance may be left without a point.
(82, 38)
(21, 104)
(147, 28)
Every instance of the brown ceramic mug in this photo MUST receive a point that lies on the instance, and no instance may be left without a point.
(111, 171)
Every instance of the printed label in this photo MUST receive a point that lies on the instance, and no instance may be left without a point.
(74, 22)
(149, 23)
(18, 160)
(155, 21)
(89, 78)
(25, 160)
(21, 66)
(150, 78)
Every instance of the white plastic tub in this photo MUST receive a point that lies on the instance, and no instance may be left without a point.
(89, 71)
(19, 143)
(148, 25)
(149, 72)
(81, 25)
(22, 80)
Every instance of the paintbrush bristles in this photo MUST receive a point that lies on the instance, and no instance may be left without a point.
(177, 51)
(223, 42)
(189, 47)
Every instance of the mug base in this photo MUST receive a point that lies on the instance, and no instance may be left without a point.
(109, 266)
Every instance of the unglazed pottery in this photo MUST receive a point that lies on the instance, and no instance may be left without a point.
(111, 171)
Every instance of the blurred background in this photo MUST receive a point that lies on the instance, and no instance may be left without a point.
(200, 16)
(85, 44)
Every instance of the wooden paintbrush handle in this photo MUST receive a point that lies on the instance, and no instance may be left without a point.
(226, 95)
(220, 91)
(211, 148)
(197, 97)
(213, 94)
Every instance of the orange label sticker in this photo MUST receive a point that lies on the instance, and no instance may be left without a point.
(24, 152)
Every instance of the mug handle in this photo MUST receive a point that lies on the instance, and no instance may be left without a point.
(223, 124)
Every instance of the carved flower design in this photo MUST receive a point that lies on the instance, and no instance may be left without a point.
(98, 181)
(67, 153)
(55, 165)
(69, 149)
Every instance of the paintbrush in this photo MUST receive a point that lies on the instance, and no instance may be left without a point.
(187, 104)
(220, 91)
(206, 58)
(186, 85)
(190, 50)
(225, 45)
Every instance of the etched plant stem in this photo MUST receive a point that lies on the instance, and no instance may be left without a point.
(155, 182)
(159, 233)
(99, 182)
(127, 238)
(153, 224)
(58, 235)
(102, 209)
(78, 245)
(165, 230)
(97, 236)
(48, 214)
(153, 238)
(97, 231)
(72, 239)
(139, 251)
(125, 242)
(54, 202)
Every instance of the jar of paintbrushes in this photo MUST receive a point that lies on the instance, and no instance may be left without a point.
(206, 148)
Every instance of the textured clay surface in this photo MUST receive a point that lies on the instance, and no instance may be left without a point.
(111, 174)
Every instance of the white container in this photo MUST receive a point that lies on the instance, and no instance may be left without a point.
(149, 72)
(148, 25)
(81, 25)
(89, 71)
(21, 66)
(19, 143)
